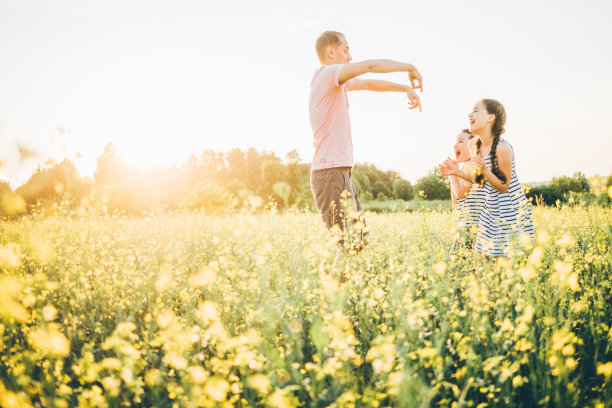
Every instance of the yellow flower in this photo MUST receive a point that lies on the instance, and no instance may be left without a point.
(517, 381)
(10, 255)
(282, 399)
(439, 268)
(9, 307)
(605, 369)
(49, 312)
(217, 389)
(572, 282)
(523, 345)
(536, 256)
(259, 382)
(50, 341)
(205, 277)
(112, 385)
(197, 374)
(567, 350)
(566, 241)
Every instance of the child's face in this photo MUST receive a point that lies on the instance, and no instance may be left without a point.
(462, 151)
(480, 118)
(340, 54)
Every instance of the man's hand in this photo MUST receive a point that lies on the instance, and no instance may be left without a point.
(414, 100)
(416, 79)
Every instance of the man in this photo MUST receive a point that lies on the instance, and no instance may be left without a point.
(333, 157)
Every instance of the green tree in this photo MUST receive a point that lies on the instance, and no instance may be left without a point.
(402, 189)
(210, 198)
(578, 183)
(11, 204)
(53, 183)
(110, 169)
(434, 186)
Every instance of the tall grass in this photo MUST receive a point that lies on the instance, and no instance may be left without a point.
(192, 310)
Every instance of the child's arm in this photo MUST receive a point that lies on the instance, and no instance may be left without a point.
(459, 187)
(450, 168)
(380, 66)
(453, 195)
(504, 163)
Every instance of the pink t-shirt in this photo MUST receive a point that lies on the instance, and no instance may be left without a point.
(329, 118)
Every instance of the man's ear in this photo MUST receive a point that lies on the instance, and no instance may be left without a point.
(330, 52)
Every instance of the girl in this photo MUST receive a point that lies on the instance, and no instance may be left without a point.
(506, 213)
(468, 197)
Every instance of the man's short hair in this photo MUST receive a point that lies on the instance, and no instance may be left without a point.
(325, 40)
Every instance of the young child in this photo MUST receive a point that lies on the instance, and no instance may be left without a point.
(329, 119)
(468, 196)
(506, 213)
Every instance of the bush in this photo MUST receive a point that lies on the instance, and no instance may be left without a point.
(381, 197)
(11, 204)
(402, 189)
(366, 196)
(434, 186)
(209, 198)
(547, 195)
(578, 183)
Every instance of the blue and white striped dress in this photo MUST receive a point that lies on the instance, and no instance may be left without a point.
(504, 218)
(469, 208)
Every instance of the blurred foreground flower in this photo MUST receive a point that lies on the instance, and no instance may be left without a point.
(51, 341)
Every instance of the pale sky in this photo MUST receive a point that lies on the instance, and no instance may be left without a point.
(166, 79)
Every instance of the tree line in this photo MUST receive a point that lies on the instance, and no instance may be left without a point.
(220, 181)
(211, 181)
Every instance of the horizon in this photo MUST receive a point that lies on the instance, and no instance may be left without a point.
(215, 77)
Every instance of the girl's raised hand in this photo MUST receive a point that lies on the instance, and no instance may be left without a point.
(478, 163)
(449, 167)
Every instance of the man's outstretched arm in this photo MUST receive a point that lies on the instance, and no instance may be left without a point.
(380, 66)
(378, 85)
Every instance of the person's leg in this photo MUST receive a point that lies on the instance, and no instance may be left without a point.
(360, 229)
(327, 187)
(339, 265)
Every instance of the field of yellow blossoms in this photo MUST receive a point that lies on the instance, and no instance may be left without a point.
(190, 310)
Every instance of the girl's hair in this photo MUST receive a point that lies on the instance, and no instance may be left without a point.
(494, 107)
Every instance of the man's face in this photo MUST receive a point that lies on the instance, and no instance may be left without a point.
(340, 53)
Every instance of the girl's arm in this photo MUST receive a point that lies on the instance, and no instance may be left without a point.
(459, 187)
(450, 168)
(453, 181)
(504, 156)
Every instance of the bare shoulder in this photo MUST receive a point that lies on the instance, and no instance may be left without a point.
(504, 146)
(504, 149)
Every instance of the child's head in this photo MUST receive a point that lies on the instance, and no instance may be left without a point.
(332, 48)
(462, 150)
(488, 114)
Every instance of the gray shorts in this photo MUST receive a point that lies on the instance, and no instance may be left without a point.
(327, 187)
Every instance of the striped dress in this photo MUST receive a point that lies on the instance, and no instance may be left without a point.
(504, 218)
(469, 207)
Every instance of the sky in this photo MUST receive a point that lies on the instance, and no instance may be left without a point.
(167, 79)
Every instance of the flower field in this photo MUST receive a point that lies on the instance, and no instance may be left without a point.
(191, 310)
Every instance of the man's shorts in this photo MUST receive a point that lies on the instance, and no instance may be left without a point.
(327, 187)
